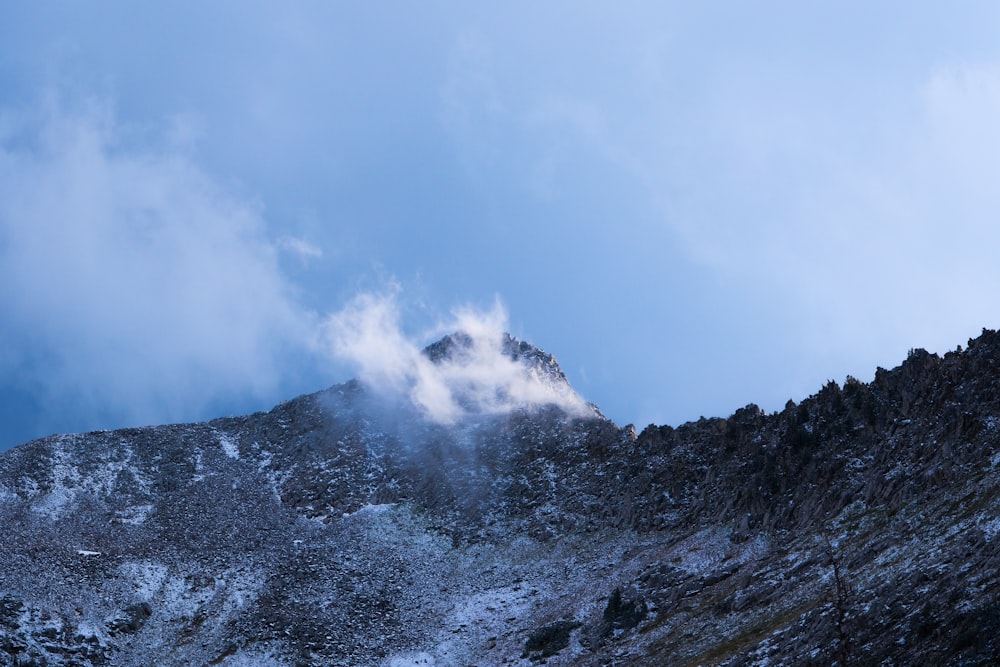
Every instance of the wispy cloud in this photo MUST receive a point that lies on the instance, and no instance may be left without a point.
(478, 377)
(148, 288)
(301, 248)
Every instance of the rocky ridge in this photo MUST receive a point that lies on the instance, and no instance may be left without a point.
(857, 527)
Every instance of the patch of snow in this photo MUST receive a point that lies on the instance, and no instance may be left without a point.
(371, 509)
(135, 515)
(857, 464)
(411, 660)
(990, 528)
(897, 470)
(252, 658)
(148, 577)
(179, 599)
(54, 502)
(264, 458)
(956, 529)
(275, 478)
(230, 448)
(101, 478)
(852, 511)
(753, 550)
(702, 551)
(240, 587)
(28, 486)
(87, 629)
(85, 552)
(490, 607)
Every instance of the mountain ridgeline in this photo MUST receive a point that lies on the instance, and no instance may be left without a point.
(860, 526)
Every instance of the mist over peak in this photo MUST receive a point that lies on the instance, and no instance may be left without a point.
(459, 345)
(476, 369)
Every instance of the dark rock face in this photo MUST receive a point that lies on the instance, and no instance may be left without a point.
(860, 526)
(621, 613)
(548, 640)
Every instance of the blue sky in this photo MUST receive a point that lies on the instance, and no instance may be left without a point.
(694, 206)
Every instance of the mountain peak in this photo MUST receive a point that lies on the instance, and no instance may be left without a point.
(487, 372)
(460, 346)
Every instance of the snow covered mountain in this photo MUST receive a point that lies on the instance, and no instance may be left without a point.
(859, 526)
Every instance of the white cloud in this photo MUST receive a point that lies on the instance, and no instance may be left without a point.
(300, 248)
(148, 289)
(478, 378)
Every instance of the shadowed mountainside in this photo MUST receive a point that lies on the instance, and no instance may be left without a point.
(856, 527)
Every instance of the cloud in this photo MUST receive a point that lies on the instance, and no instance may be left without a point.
(478, 376)
(301, 248)
(868, 212)
(132, 283)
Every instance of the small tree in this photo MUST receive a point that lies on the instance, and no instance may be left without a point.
(843, 597)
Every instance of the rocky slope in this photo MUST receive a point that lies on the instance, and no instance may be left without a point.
(858, 527)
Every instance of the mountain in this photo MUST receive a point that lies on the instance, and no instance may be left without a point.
(857, 527)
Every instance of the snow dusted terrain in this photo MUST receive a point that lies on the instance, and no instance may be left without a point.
(861, 526)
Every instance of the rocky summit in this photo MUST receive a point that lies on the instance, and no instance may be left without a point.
(860, 526)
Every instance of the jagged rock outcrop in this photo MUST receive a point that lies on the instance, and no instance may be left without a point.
(859, 526)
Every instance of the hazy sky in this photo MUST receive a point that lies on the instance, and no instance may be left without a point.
(694, 206)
